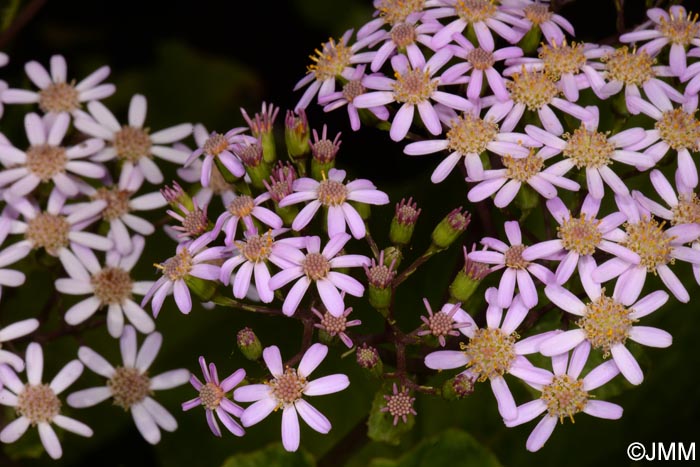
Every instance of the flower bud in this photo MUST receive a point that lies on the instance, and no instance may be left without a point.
(404, 221)
(468, 278)
(296, 134)
(261, 126)
(249, 344)
(458, 387)
(251, 154)
(280, 185)
(368, 358)
(379, 277)
(177, 197)
(450, 228)
(323, 152)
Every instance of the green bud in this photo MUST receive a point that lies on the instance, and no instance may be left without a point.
(258, 174)
(458, 387)
(380, 276)
(450, 228)
(368, 358)
(392, 255)
(296, 135)
(288, 213)
(404, 222)
(177, 198)
(269, 150)
(203, 289)
(249, 344)
(364, 210)
(531, 41)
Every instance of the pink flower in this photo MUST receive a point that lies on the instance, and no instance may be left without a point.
(405, 37)
(442, 323)
(413, 87)
(212, 397)
(538, 14)
(606, 323)
(243, 208)
(567, 395)
(334, 195)
(493, 351)
(286, 391)
(316, 266)
(517, 269)
(217, 146)
(336, 325)
(391, 13)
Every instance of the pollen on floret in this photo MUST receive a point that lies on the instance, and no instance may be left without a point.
(563, 58)
(407, 212)
(396, 11)
(177, 267)
(537, 13)
(514, 257)
(491, 353)
(38, 403)
(629, 67)
(606, 323)
(215, 144)
(680, 129)
(403, 34)
(117, 202)
(580, 234)
(256, 248)
(59, 97)
(129, 386)
(480, 59)
(112, 285)
(331, 60)
(523, 169)
(46, 161)
(648, 240)
(242, 206)
(288, 387)
(687, 211)
(532, 88)
(132, 143)
(473, 11)
(352, 89)
(565, 397)
(469, 134)
(195, 222)
(332, 193)
(211, 395)
(315, 266)
(679, 29)
(588, 148)
(414, 86)
(48, 231)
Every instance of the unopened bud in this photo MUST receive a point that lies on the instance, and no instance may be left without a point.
(404, 222)
(261, 126)
(380, 277)
(251, 154)
(468, 278)
(450, 228)
(280, 185)
(323, 152)
(296, 134)
(368, 358)
(249, 344)
(458, 387)
(176, 197)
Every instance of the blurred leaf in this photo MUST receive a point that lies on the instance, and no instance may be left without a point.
(381, 424)
(443, 450)
(9, 11)
(272, 455)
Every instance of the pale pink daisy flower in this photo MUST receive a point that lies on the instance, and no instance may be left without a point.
(468, 137)
(286, 391)
(405, 38)
(606, 323)
(393, 12)
(505, 183)
(47, 160)
(353, 88)
(412, 87)
(483, 15)
(212, 397)
(56, 94)
(676, 129)
(281, 181)
(217, 185)
(54, 232)
(13, 331)
(336, 325)
(493, 351)
(317, 266)
(133, 144)
(566, 395)
(676, 27)
(657, 247)
(537, 14)
(244, 208)
(578, 240)
(37, 403)
(217, 146)
(252, 254)
(109, 286)
(331, 63)
(534, 91)
(334, 195)
(442, 323)
(517, 269)
(479, 63)
(399, 404)
(130, 385)
(191, 259)
(595, 151)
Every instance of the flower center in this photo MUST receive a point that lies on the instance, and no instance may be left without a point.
(606, 323)
(630, 68)
(331, 60)
(687, 211)
(588, 148)
(480, 59)
(316, 266)
(414, 86)
(59, 97)
(45, 161)
(352, 89)
(561, 59)
(367, 357)
(38, 403)
(407, 212)
(490, 352)
(112, 285)
(440, 324)
(514, 257)
(380, 276)
(242, 206)
(256, 248)
(399, 404)
(523, 168)
(332, 193)
(679, 29)
(333, 324)
(580, 234)
(648, 240)
(250, 154)
(396, 11)
(679, 129)
(288, 387)
(565, 397)
(403, 34)
(532, 88)
(48, 231)
(215, 144)
(132, 143)
(470, 134)
(117, 202)
(537, 13)
(177, 267)
(324, 151)
(473, 11)
(129, 386)
(211, 396)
